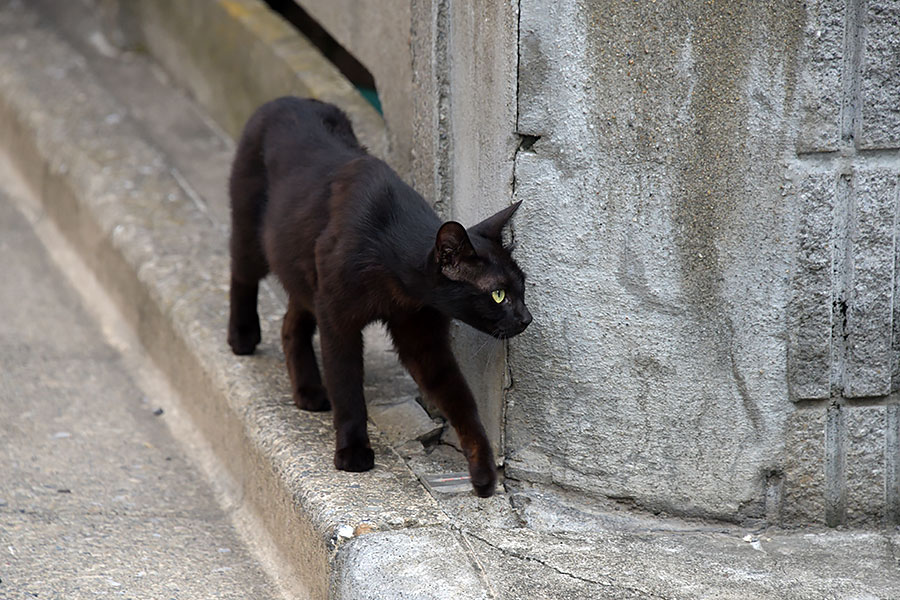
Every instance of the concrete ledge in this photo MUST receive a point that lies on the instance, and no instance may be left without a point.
(164, 262)
(233, 55)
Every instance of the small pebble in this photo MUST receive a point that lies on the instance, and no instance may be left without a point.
(345, 531)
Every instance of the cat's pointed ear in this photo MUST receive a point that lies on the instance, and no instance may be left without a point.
(452, 245)
(492, 227)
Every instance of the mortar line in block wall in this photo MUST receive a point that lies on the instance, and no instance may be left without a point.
(852, 61)
(841, 274)
(835, 466)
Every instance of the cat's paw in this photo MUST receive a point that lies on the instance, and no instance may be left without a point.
(243, 340)
(313, 398)
(354, 458)
(484, 479)
(482, 468)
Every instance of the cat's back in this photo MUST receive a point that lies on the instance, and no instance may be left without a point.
(302, 132)
(303, 144)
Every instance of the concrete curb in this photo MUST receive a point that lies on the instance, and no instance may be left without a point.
(164, 262)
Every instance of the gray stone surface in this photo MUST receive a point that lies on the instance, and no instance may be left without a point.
(879, 85)
(895, 332)
(865, 465)
(892, 464)
(811, 311)
(571, 550)
(96, 498)
(412, 564)
(651, 226)
(803, 495)
(705, 243)
(819, 77)
(871, 279)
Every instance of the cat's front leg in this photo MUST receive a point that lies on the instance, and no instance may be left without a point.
(423, 343)
(342, 359)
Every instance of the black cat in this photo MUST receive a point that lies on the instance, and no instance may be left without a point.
(352, 244)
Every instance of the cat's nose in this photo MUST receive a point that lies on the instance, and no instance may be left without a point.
(525, 317)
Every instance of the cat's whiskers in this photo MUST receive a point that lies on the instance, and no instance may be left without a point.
(488, 338)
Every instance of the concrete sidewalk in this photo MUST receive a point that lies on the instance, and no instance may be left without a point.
(97, 499)
(120, 187)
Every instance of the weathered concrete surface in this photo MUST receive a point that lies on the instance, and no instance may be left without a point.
(708, 241)
(233, 55)
(160, 255)
(96, 497)
(482, 58)
(652, 228)
(879, 118)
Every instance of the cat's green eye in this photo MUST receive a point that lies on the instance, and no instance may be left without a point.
(498, 295)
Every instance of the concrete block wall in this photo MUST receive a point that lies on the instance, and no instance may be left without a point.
(709, 228)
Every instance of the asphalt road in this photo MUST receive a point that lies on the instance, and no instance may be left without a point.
(97, 498)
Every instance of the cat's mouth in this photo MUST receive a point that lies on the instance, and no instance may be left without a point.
(505, 334)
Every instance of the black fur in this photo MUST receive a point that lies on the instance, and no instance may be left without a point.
(352, 243)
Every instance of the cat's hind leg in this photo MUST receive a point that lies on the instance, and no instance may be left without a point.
(247, 188)
(296, 339)
(243, 321)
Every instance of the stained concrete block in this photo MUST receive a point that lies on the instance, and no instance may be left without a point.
(819, 77)
(871, 283)
(895, 325)
(865, 476)
(482, 57)
(892, 464)
(879, 84)
(803, 495)
(810, 348)
(658, 240)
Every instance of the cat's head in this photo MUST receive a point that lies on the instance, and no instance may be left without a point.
(480, 283)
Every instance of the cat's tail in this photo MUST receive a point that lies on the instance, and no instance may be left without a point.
(247, 188)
